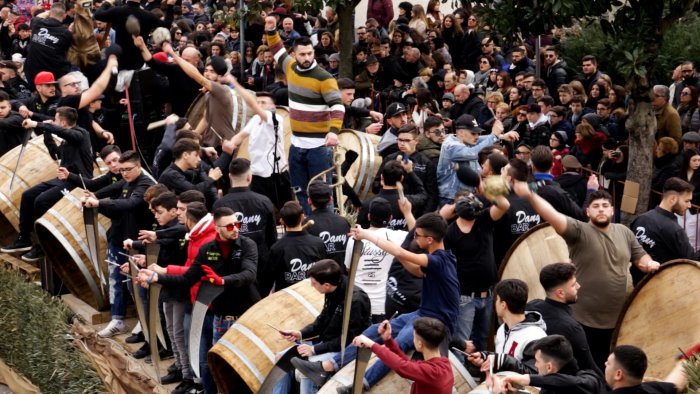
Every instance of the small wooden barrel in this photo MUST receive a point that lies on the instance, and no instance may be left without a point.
(248, 349)
(285, 131)
(241, 114)
(538, 247)
(364, 169)
(392, 382)
(662, 315)
(36, 166)
(61, 232)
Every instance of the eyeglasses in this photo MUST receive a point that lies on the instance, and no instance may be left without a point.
(484, 62)
(231, 226)
(685, 93)
(486, 45)
(437, 132)
(522, 152)
(522, 114)
(125, 170)
(178, 32)
(404, 140)
(687, 71)
(472, 19)
(553, 139)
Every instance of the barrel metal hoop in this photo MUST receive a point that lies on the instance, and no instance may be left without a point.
(244, 359)
(86, 274)
(61, 219)
(302, 301)
(371, 150)
(256, 340)
(361, 175)
(456, 364)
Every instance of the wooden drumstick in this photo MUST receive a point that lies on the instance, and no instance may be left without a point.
(399, 188)
(308, 224)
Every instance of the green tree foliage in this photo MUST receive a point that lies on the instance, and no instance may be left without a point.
(33, 330)
(678, 44)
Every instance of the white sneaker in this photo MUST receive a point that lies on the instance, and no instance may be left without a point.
(113, 328)
(137, 329)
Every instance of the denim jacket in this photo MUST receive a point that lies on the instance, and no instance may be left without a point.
(453, 151)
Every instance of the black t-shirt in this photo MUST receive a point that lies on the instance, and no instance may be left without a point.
(476, 267)
(403, 290)
(519, 219)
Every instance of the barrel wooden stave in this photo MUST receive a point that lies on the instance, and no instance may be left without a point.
(61, 233)
(538, 247)
(36, 166)
(248, 349)
(365, 168)
(241, 114)
(391, 383)
(662, 315)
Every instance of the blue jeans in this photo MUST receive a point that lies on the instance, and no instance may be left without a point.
(303, 165)
(116, 282)
(401, 330)
(474, 319)
(206, 342)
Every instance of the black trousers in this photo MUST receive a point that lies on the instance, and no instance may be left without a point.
(599, 342)
(37, 200)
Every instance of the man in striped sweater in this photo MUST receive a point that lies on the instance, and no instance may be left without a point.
(315, 110)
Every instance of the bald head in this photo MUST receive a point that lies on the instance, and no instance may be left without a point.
(191, 56)
(461, 93)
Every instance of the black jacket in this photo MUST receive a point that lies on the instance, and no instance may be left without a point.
(11, 132)
(333, 231)
(258, 222)
(560, 200)
(96, 183)
(329, 323)
(556, 76)
(48, 48)
(397, 222)
(131, 58)
(424, 168)
(575, 184)
(75, 152)
(123, 203)
(238, 271)
(179, 181)
(293, 255)
(184, 90)
(559, 321)
(569, 380)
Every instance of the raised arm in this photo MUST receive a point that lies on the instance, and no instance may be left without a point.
(189, 69)
(141, 45)
(543, 208)
(100, 84)
(400, 253)
(248, 97)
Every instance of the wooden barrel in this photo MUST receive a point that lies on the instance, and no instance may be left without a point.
(392, 382)
(364, 169)
(662, 315)
(285, 131)
(241, 114)
(538, 247)
(36, 166)
(248, 349)
(61, 232)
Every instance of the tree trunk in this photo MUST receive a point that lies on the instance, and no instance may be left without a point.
(346, 24)
(642, 126)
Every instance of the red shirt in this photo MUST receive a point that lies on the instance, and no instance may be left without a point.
(433, 376)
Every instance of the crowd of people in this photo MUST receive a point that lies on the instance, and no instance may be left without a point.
(455, 112)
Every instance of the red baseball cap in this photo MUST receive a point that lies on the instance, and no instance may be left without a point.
(44, 78)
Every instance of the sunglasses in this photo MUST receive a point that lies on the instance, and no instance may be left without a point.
(230, 227)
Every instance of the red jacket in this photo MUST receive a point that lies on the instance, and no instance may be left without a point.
(203, 232)
(429, 377)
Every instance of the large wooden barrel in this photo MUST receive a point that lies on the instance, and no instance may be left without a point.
(36, 166)
(662, 315)
(392, 382)
(248, 349)
(364, 169)
(61, 232)
(241, 114)
(538, 247)
(285, 132)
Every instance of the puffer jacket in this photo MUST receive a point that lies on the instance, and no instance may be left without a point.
(514, 346)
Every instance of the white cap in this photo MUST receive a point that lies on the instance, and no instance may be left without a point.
(17, 58)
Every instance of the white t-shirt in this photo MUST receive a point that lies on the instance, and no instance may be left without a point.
(261, 142)
(373, 267)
